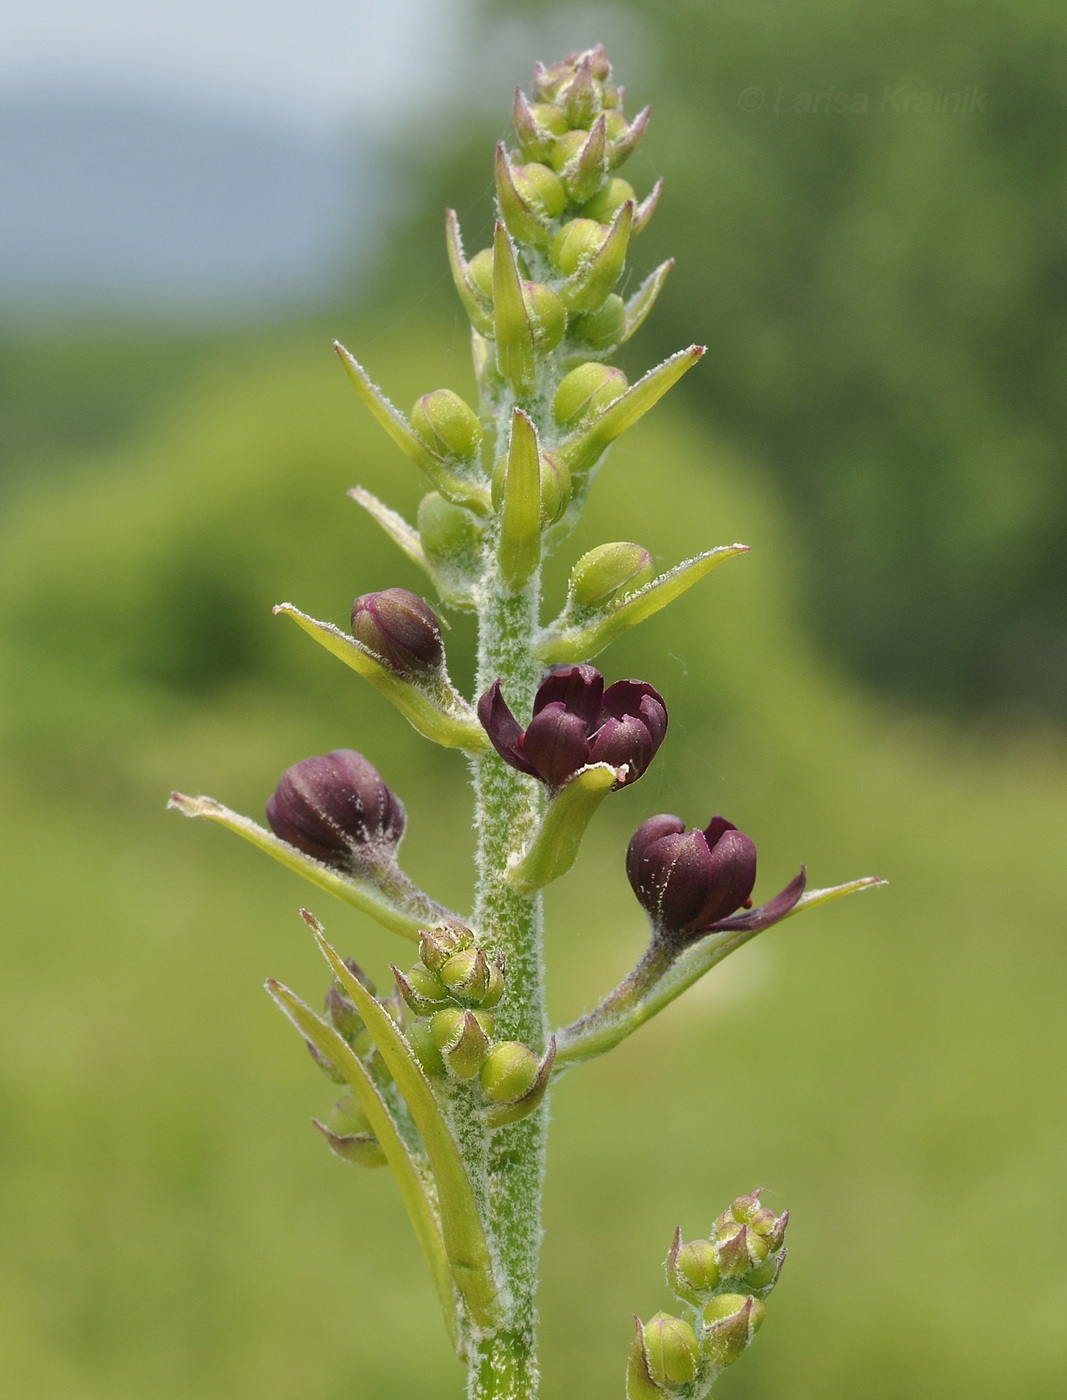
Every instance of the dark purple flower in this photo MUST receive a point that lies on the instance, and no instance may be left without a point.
(694, 882)
(398, 628)
(576, 722)
(337, 808)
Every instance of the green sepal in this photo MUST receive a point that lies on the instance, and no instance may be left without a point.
(647, 207)
(514, 334)
(479, 312)
(524, 223)
(567, 642)
(583, 173)
(644, 299)
(393, 902)
(639, 1382)
(438, 712)
(554, 848)
(587, 288)
(414, 1188)
(457, 488)
(464, 1237)
(583, 450)
(601, 1031)
(520, 525)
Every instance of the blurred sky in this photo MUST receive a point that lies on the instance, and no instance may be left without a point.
(200, 157)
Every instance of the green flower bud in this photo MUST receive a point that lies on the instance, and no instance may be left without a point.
(546, 313)
(437, 945)
(347, 1117)
(425, 1049)
(464, 1039)
(471, 978)
(671, 1350)
(739, 1249)
(555, 485)
(617, 126)
(480, 268)
(347, 1130)
(577, 242)
(538, 126)
(609, 573)
(448, 426)
(450, 535)
(604, 328)
(696, 1264)
(567, 147)
(731, 1321)
(540, 189)
(509, 1071)
(607, 202)
(422, 990)
(586, 391)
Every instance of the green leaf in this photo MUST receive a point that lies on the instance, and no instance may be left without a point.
(446, 718)
(584, 449)
(403, 909)
(554, 849)
(414, 1188)
(461, 1226)
(579, 643)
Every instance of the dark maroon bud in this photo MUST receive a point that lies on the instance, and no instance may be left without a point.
(694, 882)
(398, 628)
(577, 722)
(337, 808)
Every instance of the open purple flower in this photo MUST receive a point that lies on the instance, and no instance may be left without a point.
(576, 722)
(337, 808)
(697, 882)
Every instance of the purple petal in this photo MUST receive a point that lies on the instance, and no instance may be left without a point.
(670, 876)
(654, 713)
(556, 744)
(647, 833)
(503, 729)
(624, 741)
(733, 873)
(715, 829)
(770, 913)
(579, 688)
(625, 697)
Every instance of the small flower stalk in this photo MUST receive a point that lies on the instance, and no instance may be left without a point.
(446, 1081)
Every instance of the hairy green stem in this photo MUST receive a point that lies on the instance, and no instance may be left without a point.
(507, 810)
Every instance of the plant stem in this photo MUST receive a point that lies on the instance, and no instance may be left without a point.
(507, 809)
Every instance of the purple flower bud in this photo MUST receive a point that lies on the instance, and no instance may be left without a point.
(337, 808)
(693, 882)
(577, 722)
(398, 628)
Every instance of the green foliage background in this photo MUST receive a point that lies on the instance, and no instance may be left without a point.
(891, 1067)
(878, 417)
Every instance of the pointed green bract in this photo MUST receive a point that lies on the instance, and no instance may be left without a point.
(461, 1227)
(592, 1035)
(444, 717)
(478, 312)
(410, 1179)
(580, 643)
(520, 525)
(584, 449)
(554, 849)
(515, 349)
(643, 300)
(447, 481)
(587, 288)
(394, 525)
(401, 910)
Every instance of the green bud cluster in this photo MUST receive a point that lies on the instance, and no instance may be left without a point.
(451, 991)
(724, 1280)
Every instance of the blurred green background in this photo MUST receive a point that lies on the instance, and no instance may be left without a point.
(877, 688)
